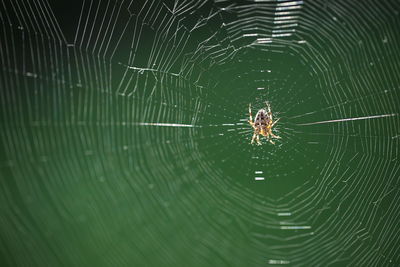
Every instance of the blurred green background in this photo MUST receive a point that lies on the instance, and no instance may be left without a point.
(125, 139)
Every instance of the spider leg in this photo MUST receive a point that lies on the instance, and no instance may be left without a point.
(268, 106)
(252, 124)
(275, 122)
(250, 117)
(258, 140)
(274, 136)
(268, 136)
(253, 138)
(272, 142)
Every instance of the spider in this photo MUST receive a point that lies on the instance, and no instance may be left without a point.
(263, 124)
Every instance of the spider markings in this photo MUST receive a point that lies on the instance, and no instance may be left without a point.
(262, 124)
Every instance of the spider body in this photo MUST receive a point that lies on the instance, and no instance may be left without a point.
(262, 124)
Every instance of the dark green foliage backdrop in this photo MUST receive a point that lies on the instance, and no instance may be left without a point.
(125, 142)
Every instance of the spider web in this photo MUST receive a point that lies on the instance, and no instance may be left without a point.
(125, 138)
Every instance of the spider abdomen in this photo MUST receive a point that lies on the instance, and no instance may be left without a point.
(261, 118)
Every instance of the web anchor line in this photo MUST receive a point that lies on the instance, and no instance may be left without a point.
(165, 124)
(350, 119)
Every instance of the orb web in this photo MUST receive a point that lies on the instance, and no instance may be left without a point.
(124, 131)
